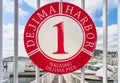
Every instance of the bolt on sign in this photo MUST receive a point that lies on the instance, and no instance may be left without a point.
(60, 38)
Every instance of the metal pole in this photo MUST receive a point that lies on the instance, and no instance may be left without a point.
(83, 4)
(38, 3)
(16, 41)
(50, 78)
(69, 78)
(83, 75)
(118, 41)
(83, 69)
(59, 78)
(105, 41)
(37, 69)
(1, 66)
(37, 75)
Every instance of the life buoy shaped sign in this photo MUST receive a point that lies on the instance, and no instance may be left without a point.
(60, 37)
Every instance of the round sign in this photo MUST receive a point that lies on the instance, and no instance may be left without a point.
(60, 37)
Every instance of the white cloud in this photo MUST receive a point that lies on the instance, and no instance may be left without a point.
(95, 6)
(8, 40)
(8, 37)
(8, 5)
(31, 3)
(48, 1)
(20, 1)
(92, 6)
(9, 8)
(112, 38)
(8, 31)
(22, 51)
(112, 4)
(22, 13)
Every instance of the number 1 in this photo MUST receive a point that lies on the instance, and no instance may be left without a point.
(60, 49)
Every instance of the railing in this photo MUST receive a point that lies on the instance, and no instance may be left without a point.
(6, 81)
(76, 79)
(47, 78)
(68, 78)
(37, 75)
(118, 41)
(1, 74)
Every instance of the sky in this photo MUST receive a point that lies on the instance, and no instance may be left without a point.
(27, 7)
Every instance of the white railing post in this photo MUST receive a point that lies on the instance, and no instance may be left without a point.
(69, 79)
(50, 78)
(1, 74)
(5, 81)
(37, 75)
(38, 3)
(37, 69)
(16, 41)
(83, 69)
(61, 0)
(105, 41)
(83, 4)
(76, 80)
(42, 80)
(59, 78)
(118, 41)
(83, 75)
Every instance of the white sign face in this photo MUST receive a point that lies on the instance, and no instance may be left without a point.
(48, 37)
(60, 38)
